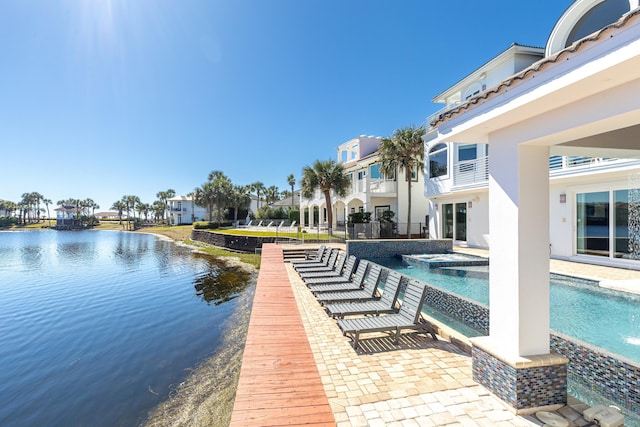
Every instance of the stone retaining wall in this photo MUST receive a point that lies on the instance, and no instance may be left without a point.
(236, 243)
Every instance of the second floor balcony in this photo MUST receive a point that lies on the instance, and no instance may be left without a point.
(475, 172)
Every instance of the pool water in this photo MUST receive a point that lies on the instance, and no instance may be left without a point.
(605, 318)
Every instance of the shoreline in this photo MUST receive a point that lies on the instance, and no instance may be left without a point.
(207, 395)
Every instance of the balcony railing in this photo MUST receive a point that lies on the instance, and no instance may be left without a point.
(382, 186)
(471, 172)
(476, 171)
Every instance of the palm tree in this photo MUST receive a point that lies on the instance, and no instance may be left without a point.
(119, 206)
(143, 209)
(204, 196)
(257, 187)
(164, 196)
(47, 202)
(158, 209)
(239, 199)
(325, 176)
(222, 188)
(271, 194)
(291, 180)
(404, 150)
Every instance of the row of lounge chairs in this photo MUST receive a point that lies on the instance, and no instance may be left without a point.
(347, 291)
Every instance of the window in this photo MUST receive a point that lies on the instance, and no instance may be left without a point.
(362, 174)
(438, 161)
(379, 210)
(414, 174)
(466, 153)
(592, 223)
(374, 171)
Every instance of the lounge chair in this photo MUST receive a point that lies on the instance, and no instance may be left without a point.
(322, 263)
(408, 317)
(335, 272)
(326, 267)
(356, 283)
(317, 257)
(387, 304)
(344, 277)
(368, 293)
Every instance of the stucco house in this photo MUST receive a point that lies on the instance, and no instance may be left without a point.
(371, 191)
(183, 210)
(589, 193)
(561, 175)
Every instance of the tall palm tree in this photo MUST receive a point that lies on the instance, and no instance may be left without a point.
(204, 196)
(271, 194)
(222, 188)
(291, 180)
(239, 199)
(158, 209)
(164, 196)
(325, 176)
(120, 207)
(404, 150)
(47, 202)
(143, 209)
(257, 187)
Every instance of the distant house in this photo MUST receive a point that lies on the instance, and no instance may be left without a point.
(67, 217)
(370, 190)
(286, 203)
(110, 215)
(183, 210)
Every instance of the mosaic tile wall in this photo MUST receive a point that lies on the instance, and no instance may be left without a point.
(368, 249)
(521, 388)
(613, 378)
(468, 312)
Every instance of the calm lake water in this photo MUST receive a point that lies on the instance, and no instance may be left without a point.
(98, 327)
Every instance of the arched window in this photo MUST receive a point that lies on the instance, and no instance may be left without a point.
(438, 161)
(597, 18)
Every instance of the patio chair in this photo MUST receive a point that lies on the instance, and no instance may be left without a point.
(387, 304)
(316, 257)
(368, 293)
(356, 283)
(408, 317)
(335, 272)
(326, 267)
(344, 277)
(322, 263)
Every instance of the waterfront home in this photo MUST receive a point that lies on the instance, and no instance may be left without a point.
(67, 216)
(590, 193)
(578, 110)
(183, 210)
(370, 191)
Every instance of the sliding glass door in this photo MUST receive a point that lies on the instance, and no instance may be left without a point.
(454, 221)
(608, 223)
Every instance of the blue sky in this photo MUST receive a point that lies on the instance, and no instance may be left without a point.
(102, 98)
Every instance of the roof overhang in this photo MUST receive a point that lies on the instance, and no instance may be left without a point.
(585, 97)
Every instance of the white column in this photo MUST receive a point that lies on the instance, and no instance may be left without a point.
(519, 268)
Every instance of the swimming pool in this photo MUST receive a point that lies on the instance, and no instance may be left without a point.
(605, 318)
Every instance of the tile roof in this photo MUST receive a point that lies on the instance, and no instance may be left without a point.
(533, 69)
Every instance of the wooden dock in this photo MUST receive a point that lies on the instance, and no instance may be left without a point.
(279, 381)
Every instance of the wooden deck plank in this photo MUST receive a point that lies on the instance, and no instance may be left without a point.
(279, 382)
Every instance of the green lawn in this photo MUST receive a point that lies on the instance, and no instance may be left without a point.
(307, 236)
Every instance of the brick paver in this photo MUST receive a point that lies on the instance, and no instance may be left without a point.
(419, 382)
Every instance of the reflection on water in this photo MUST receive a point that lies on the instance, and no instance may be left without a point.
(97, 328)
(221, 282)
